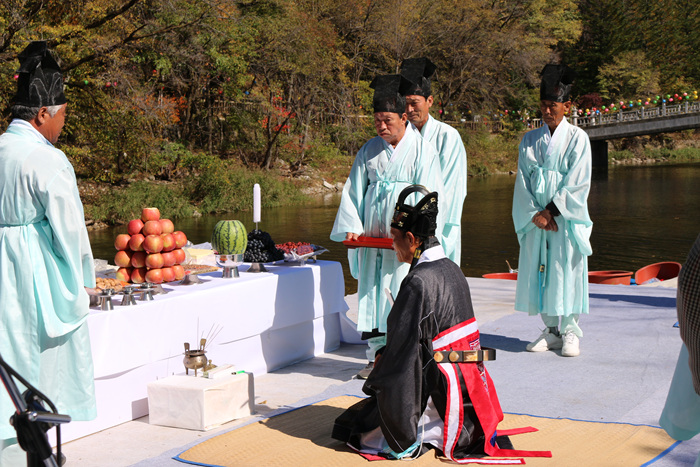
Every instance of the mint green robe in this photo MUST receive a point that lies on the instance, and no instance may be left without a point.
(453, 163)
(553, 168)
(376, 179)
(45, 264)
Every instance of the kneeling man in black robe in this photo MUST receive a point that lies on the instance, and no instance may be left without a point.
(429, 387)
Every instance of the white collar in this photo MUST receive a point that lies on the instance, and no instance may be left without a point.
(28, 126)
(425, 130)
(432, 254)
(408, 134)
(553, 139)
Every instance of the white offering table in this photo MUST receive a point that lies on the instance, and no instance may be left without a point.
(267, 321)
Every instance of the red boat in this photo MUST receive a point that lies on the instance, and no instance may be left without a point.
(502, 275)
(610, 277)
(661, 271)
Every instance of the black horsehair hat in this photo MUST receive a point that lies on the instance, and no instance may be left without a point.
(418, 71)
(421, 219)
(39, 81)
(389, 92)
(557, 81)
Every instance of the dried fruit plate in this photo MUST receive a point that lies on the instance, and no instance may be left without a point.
(103, 283)
(193, 269)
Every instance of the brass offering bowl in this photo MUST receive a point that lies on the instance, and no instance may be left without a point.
(194, 359)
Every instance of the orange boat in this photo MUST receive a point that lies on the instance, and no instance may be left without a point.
(610, 277)
(661, 271)
(502, 275)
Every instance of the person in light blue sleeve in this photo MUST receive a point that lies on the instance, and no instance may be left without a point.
(45, 258)
(550, 215)
(449, 145)
(680, 417)
(385, 165)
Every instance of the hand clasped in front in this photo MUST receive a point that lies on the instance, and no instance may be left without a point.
(545, 221)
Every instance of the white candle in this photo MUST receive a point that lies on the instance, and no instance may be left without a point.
(256, 203)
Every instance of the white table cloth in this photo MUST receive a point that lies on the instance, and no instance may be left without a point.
(266, 320)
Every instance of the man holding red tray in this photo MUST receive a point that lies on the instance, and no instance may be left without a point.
(385, 165)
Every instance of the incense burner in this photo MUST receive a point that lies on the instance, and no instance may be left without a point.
(194, 360)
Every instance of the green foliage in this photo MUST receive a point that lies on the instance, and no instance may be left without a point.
(321, 153)
(195, 163)
(629, 74)
(513, 127)
(478, 169)
(124, 204)
(614, 35)
(224, 187)
(166, 162)
(674, 155)
(87, 166)
(488, 153)
(658, 154)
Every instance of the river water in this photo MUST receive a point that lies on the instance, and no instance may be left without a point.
(641, 215)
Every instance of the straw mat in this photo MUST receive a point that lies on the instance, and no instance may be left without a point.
(302, 437)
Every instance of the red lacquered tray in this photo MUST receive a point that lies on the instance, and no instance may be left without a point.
(370, 242)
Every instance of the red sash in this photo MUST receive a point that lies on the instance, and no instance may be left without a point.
(465, 336)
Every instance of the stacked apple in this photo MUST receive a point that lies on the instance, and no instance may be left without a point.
(151, 251)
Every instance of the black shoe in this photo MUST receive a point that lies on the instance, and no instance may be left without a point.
(364, 373)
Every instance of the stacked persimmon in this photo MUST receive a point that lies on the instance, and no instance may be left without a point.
(151, 251)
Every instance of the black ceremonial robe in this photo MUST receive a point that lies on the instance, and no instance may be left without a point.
(433, 311)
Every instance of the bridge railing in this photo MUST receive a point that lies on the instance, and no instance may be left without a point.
(640, 113)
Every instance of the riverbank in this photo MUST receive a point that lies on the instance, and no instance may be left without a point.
(224, 186)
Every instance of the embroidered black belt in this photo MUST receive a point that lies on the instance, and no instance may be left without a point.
(464, 356)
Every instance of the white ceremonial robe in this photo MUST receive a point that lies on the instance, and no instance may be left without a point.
(376, 179)
(453, 163)
(45, 264)
(553, 168)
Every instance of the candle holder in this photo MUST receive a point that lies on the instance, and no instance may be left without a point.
(191, 279)
(105, 297)
(230, 264)
(146, 290)
(128, 298)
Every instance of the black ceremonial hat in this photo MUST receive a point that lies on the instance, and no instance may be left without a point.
(556, 84)
(40, 83)
(389, 92)
(418, 71)
(420, 219)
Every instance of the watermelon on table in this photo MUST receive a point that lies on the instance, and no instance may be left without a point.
(229, 238)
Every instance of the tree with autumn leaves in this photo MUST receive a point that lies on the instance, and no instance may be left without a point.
(151, 84)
